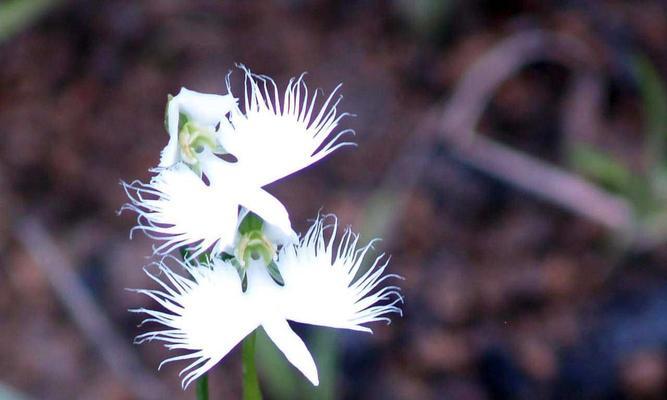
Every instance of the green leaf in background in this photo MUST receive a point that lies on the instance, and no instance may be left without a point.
(325, 350)
(426, 17)
(601, 168)
(17, 15)
(647, 192)
(276, 374)
(654, 96)
(8, 393)
(285, 382)
(615, 177)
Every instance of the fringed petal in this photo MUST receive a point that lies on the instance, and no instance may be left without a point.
(180, 210)
(207, 314)
(274, 138)
(332, 287)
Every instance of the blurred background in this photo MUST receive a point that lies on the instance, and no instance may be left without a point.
(513, 156)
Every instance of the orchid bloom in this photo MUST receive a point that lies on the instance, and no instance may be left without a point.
(271, 140)
(206, 111)
(207, 314)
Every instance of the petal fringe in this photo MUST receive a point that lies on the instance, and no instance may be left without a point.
(276, 137)
(178, 209)
(207, 314)
(335, 287)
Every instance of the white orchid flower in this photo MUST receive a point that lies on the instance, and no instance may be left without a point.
(271, 140)
(182, 211)
(207, 314)
(208, 111)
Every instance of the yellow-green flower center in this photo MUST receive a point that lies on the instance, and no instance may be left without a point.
(253, 244)
(193, 139)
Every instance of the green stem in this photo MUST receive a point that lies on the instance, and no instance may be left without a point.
(202, 387)
(250, 382)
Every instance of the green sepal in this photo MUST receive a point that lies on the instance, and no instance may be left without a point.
(275, 273)
(242, 273)
(226, 256)
(250, 223)
(166, 113)
(184, 253)
(182, 120)
(244, 283)
(203, 258)
(235, 262)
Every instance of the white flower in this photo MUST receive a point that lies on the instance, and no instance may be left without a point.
(182, 211)
(270, 141)
(207, 314)
(207, 110)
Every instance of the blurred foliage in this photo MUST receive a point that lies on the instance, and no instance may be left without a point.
(654, 97)
(17, 15)
(426, 17)
(645, 190)
(8, 393)
(283, 381)
(606, 170)
(276, 376)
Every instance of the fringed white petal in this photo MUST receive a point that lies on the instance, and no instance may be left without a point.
(205, 314)
(180, 210)
(275, 138)
(207, 110)
(330, 286)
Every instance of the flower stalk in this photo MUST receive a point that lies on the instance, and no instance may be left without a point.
(251, 389)
(202, 387)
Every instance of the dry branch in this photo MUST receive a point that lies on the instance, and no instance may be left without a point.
(84, 311)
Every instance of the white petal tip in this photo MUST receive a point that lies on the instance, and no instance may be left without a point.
(309, 370)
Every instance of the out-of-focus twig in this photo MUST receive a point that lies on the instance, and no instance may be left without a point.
(582, 108)
(455, 122)
(84, 311)
(472, 93)
(549, 182)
